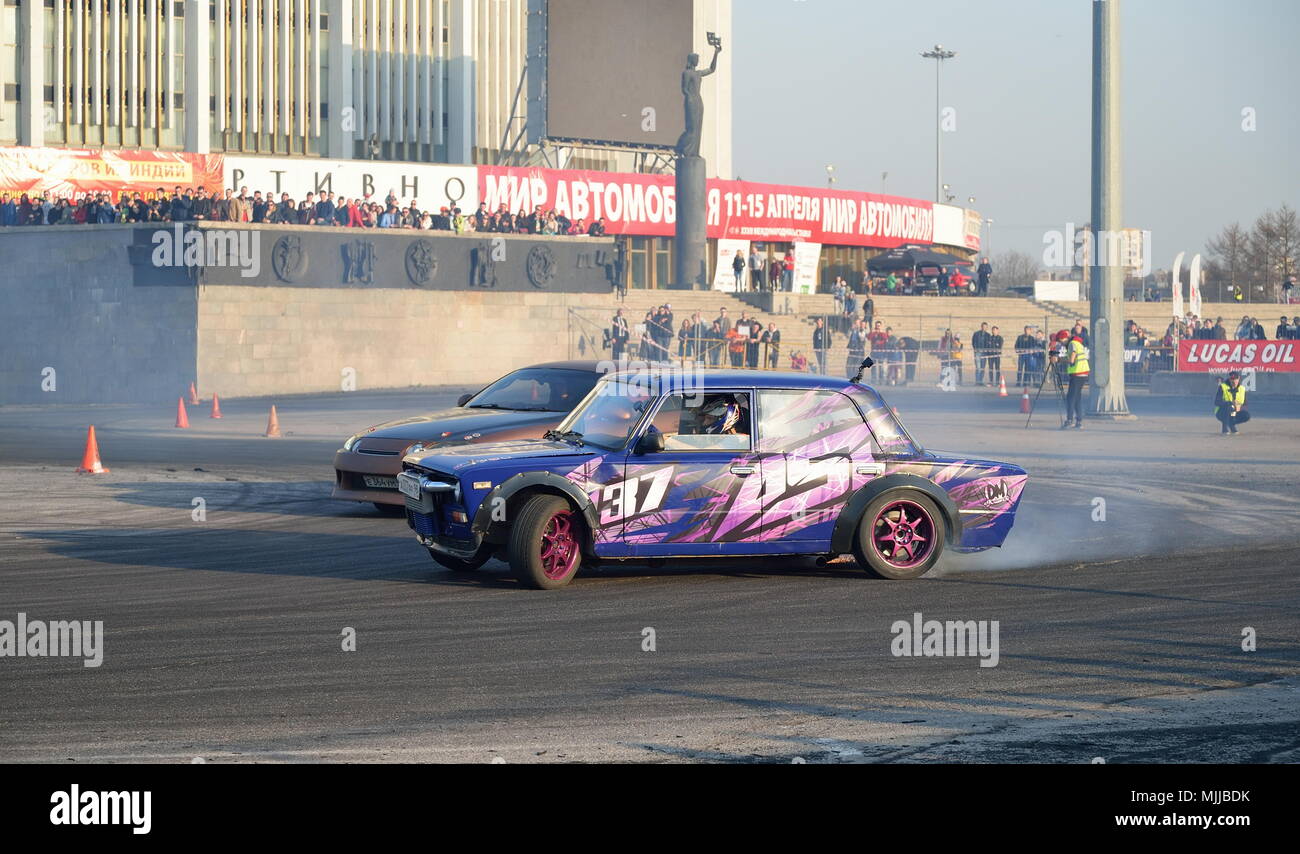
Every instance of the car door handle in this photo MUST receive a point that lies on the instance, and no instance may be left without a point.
(871, 468)
(742, 470)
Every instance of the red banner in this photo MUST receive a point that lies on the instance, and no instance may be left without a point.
(74, 172)
(744, 210)
(631, 203)
(646, 205)
(1221, 356)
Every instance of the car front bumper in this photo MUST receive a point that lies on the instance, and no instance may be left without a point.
(350, 470)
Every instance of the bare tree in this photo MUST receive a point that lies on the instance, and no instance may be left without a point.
(1262, 251)
(1014, 269)
(1228, 257)
(1286, 235)
(1257, 260)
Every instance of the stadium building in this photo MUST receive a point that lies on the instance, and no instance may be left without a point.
(449, 101)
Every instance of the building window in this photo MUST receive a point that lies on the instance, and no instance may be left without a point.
(638, 267)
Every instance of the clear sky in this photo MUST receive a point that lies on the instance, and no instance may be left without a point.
(841, 82)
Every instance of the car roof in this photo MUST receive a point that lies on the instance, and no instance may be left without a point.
(589, 365)
(724, 379)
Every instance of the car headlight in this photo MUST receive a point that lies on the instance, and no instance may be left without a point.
(417, 448)
(352, 440)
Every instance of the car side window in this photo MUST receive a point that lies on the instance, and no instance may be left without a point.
(811, 422)
(713, 421)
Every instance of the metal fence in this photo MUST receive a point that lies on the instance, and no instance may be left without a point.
(916, 359)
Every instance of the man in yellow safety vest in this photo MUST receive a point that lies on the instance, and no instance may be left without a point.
(1077, 370)
(1230, 404)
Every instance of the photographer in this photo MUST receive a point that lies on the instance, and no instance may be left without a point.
(1077, 369)
(1230, 404)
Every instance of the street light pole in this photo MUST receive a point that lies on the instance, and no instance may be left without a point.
(938, 54)
(1106, 280)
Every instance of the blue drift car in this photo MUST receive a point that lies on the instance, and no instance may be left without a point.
(713, 464)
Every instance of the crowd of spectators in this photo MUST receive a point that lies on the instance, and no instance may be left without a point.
(744, 343)
(184, 204)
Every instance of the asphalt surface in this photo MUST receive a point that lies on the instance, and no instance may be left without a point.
(1120, 637)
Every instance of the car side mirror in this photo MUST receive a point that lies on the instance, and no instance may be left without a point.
(651, 443)
(463, 399)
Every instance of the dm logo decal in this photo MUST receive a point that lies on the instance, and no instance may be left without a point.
(996, 493)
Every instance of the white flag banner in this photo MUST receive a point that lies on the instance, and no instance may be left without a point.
(1194, 286)
(724, 275)
(1176, 286)
(806, 258)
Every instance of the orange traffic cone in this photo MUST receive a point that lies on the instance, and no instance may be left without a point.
(273, 426)
(90, 463)
(182, 417)
(216, 407)
(1002, 386)
(194, 396)
(1024, 400)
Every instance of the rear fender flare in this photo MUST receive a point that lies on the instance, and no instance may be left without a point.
(846, 525)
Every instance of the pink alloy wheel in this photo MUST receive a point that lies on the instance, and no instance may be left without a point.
(903, 534)
(559, 547)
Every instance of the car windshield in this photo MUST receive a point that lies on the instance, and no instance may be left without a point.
(609, 414)
(535, 389)
(890, 435)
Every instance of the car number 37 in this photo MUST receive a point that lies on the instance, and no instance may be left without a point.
(619, 500)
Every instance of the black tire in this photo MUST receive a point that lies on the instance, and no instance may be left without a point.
(533, 524)
(927, 525)
(390, 509)
(456, 564)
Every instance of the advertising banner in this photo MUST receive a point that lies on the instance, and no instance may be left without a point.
(724, 276)
(973, 230)
(1218, 357)
(431, 185)
(74, 172)
(750, 211)
(806, 257)
(630, 202)
(646, 205)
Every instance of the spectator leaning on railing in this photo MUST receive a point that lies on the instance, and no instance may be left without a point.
(995, 356)
(1025, 346)
(877, 338)
(821, 342)
(979, 342)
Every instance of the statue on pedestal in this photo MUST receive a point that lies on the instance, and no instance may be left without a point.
(688, 144)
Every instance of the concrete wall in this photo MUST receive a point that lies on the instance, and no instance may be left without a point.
(90, 303)
(284, 340)
(68, 302)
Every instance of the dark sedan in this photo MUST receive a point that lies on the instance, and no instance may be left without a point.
(522, 404)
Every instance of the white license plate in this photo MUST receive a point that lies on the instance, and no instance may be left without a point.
(409, 486)
(376, 482)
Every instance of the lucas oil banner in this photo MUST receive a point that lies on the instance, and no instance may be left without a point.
(1218, 357)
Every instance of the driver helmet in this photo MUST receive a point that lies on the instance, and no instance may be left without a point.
(726, 415)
